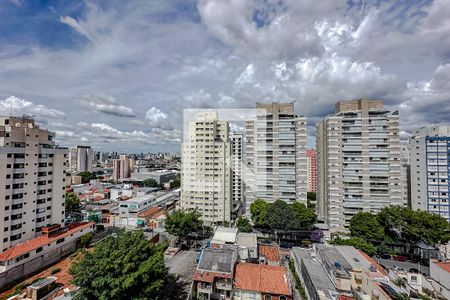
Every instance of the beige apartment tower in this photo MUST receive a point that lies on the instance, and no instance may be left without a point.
(275, 155)
(32, 180)
(206, 169)
(358, 162)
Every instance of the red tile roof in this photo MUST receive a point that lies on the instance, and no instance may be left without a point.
(344, 297)
(205, 276)
(271, 253)
(124, 197)
(39, 241)
(444, 265)
(149, 212)
(262, 278)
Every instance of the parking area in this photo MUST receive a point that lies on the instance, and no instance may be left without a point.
(405, 265)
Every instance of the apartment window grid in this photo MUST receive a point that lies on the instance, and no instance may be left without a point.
(438, 175)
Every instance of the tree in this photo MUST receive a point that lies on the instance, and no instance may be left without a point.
(72, 202)
(404, 224)
(243, 225)
(311, 196)
(304, 218)
(87, 176)
(123, 267)
(258, 210)
(182, 223)
(280, 216)
(358, 243)
(176, 183)
(150, 182)
(366, 226)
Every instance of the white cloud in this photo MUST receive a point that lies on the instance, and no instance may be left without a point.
(106, 104)
(17, 106)
(158, 119)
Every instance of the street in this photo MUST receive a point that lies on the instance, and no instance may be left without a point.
(405, 265)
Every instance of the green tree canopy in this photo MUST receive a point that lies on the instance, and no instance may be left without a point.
(280, 216)
(182, 223)
(72, 202)
(176, 183)
(122, 267)
(243, 225)
(358, 243)
(87, 176)
(311, 196)
(404, 224)
(304, 218)
(150, 182)
(258, 210)
(366, 226)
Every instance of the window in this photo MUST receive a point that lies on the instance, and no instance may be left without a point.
(59, 241)
(38, 249)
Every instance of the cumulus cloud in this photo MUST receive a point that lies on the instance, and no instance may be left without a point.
(158, 119)
(107, 105)
(18, 106)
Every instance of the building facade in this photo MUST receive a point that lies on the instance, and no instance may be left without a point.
(275, 155)
(237, 189)
(405, 172)
(32, 180)
(311, 156)
(122, 168)
(81, 159)
(206, 169)
(358, 154)
(429, 150)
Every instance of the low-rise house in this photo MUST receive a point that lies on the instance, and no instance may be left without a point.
(248, 247)
(224, 235)
(440, 275)
(256, 281)
(425, 251)
(213, 278)
(35, 254)
(336, 267)
(312, 275)
(269, 254)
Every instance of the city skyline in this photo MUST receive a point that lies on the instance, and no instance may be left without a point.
(117, 76)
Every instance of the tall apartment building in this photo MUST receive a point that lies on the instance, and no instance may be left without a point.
(429, 150)
(32, 180)
(405, 173)
(275, 155)
(81, 158)
(311, 156)
(358, 157)
(122, 168)
(237, 189)
(206, 169)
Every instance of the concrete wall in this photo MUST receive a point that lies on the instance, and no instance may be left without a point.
(36, 264)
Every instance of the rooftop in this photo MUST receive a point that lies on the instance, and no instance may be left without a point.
(270, 252)
(445, 265)
(316, 272)
(149, 212)
(331, 256)
(262, 278)
(43, 282)
(224, 235)
(247, 240)
(217, 260)
(42, 240)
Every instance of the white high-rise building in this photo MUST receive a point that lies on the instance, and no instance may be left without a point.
(32, 180)
(206, 169)
(429, 150)
(405, 174)
(81, 159)
(358, 159)
(237, 192)
(275, 155)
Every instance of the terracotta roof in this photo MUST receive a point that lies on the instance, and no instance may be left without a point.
(205, 276)
(343, 297)
(373, 262)
(149, 212)
(271, 253)
(444, 265)
(39, 241)
(124, 197)
(106, 190)
(98, 198)
(262, 278)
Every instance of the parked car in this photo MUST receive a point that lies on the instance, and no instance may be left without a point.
(400, 258)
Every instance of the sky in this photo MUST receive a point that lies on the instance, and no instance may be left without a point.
(117, 74)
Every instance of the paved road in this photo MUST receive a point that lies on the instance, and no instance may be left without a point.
(405, 265)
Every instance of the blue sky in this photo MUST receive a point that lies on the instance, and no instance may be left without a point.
(118, 74)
